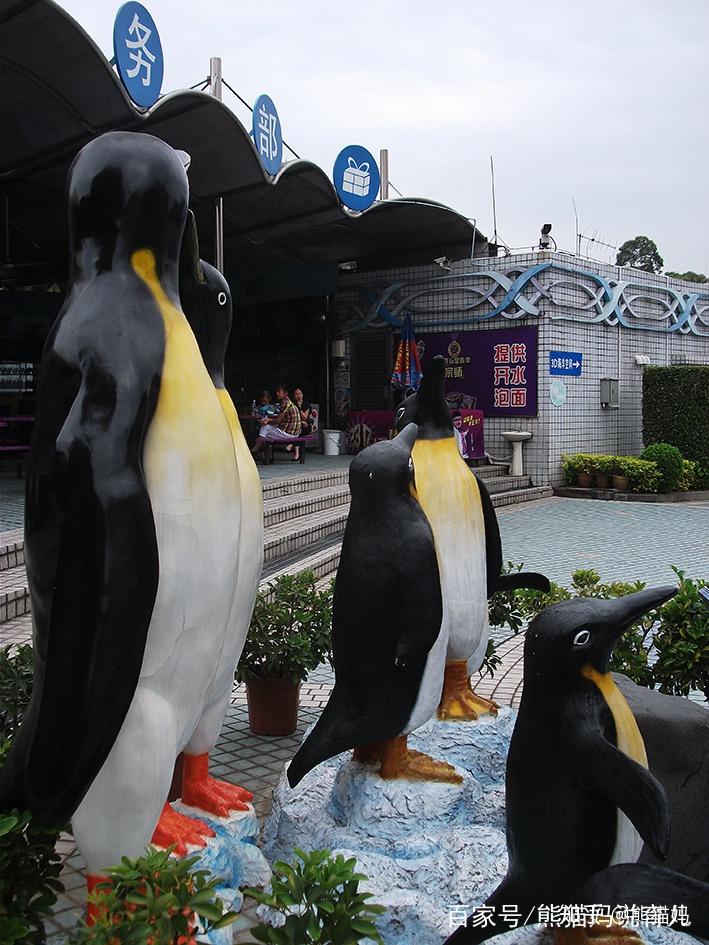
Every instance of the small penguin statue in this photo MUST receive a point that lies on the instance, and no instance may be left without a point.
(386, 625)
(467, 539)
(132, 528)
(580, 797)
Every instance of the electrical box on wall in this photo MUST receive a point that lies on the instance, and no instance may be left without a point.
(609, 393)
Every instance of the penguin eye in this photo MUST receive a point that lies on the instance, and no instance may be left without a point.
(371, 475)
(411, 464)
(400, 413)
(582, 638)
(221, 298)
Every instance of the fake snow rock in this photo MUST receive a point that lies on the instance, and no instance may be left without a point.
(233, 855)
(428, 848)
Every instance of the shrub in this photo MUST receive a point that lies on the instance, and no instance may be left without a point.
(643, 476)
(668, 460)
(682, 641)
(575, 463)
(16, 667)
(291, 630)
(29, 878)
(675, 411)
(319, 899)
(688, 477)
(152, 900)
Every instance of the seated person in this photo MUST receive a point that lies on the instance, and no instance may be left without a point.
(306, 422)
(265, 408)
(283, 426)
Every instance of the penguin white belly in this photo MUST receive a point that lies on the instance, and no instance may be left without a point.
(628, 842)
(192, 480)
(449, 496)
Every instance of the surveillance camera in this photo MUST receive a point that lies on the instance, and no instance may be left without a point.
(444, 262)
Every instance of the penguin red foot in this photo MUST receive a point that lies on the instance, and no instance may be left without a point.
(207, 793)
(597, 935)
(459, 702)
(94, 909)
(175, 829)
(397, 760)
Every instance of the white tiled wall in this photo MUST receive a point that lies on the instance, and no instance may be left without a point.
(608, 351)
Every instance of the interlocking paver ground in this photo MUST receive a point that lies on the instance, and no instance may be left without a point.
(555, 536)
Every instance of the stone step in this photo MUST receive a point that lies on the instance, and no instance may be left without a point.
(507, 484)
(515, 496)
(290, 536)
(14, 593)
(294, 485)
(287, 507)
(489, 472)
(322, 558)
(12, 549)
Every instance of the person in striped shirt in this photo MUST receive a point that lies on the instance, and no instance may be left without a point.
(283, 426)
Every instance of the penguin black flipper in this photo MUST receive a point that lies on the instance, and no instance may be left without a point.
(602, 767)
(493, 554)
(641, 884)
(92, 557)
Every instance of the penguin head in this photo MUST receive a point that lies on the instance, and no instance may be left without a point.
(127, 191)
(384, 470)
(428, 407)
(584, 631)
(206, 302)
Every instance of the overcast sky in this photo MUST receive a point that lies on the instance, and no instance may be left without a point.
(602, 101)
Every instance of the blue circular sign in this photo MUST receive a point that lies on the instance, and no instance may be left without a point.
(138, 53)
(266, 131)
(356, 177)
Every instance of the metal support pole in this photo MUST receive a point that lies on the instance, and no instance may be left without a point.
(384, 174)
(215, 89)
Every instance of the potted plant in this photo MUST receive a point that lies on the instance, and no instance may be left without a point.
(604, 468)
(290, 635)
(620, 474)
(584, 472)
(317, 901)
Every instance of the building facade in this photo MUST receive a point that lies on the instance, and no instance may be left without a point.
(619, 319)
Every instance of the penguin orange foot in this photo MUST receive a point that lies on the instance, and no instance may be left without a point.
(397, 760)
(207, 793)
(597, 935)
(459, 702)
(175, 829)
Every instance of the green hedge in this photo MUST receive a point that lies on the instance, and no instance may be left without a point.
(675, 411)
(643, 475)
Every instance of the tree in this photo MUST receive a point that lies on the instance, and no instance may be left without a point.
(688, 276)
(640, 253)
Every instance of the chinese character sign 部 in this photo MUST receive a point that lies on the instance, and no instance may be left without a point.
(494, 371)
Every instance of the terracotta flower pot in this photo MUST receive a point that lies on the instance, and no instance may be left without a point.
(273, 706)
(620, 483)
(584, 480)
(602, 480)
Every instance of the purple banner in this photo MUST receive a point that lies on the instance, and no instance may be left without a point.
(365, 427)
(494, 371)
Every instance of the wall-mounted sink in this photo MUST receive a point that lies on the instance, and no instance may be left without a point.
(516, 438)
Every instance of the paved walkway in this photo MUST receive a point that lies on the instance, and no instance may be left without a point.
(621, 540)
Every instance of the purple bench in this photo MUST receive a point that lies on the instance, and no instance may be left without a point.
(301, 441)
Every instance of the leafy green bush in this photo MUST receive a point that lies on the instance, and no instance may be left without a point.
(16, 667)
(675, 411)
(643, 476)
(29, 878)
(319, 899)
(291, 630)
(668, 460)
(682, 641)
(154, 900)
(688, 477)
(574, 463)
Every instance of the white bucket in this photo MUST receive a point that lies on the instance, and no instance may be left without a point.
(331, 441)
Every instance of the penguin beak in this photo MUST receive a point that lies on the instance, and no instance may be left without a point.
(624, 611)
(407, 437)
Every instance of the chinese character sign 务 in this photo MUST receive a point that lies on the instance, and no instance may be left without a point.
(494, 371)
(266, 131)
(138, 53)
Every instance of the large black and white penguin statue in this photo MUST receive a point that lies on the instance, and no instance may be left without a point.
(580, 798)
(468, 547)
(387, 616)
(133, 527)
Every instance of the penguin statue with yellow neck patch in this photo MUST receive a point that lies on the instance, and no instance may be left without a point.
(133, 528)
(579, 796)
(468, 547)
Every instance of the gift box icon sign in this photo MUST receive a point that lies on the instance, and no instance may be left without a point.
(356, 178)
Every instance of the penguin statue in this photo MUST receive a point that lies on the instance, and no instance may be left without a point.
(386, 629)
(467, 540)
(132, 529)
(580, 797)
